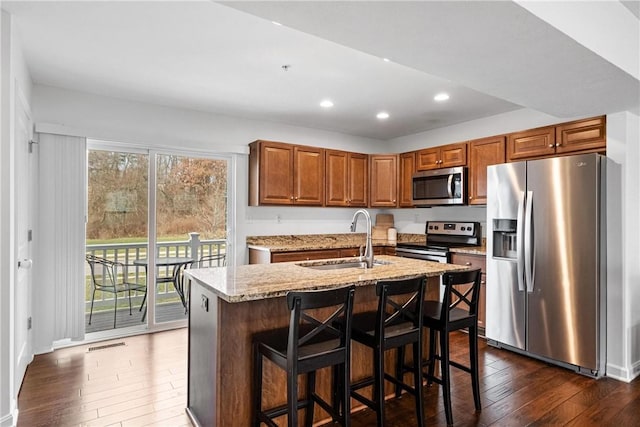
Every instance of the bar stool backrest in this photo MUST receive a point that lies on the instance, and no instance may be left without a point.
(309, 326)
(461, 294)
(406, 309)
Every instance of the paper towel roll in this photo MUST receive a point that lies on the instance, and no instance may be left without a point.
(392, 234)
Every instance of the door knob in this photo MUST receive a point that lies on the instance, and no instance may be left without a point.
(25, 263)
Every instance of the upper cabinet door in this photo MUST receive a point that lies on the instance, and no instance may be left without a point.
(336, 175)
(453, 155)
(276, 173)
(581, 135)
(405, 186)
(482, 153)
(308, 176)
(531, 143)
(384, 180)
(358, 180)
(428, 159)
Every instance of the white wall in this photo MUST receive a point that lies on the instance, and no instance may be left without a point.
(623, 133)
(100, 117)
(14, 77)
(114, 119)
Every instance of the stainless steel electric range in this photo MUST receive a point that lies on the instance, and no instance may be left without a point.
(440, 236)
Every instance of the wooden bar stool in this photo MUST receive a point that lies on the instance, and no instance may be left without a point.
(308, 344)
(458, 310)
(396, 323)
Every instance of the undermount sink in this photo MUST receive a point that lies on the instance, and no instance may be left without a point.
(333, 265)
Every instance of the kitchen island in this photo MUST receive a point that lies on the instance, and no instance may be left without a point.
(227, 305)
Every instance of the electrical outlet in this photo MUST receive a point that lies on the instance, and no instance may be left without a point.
(204, 303)
(278, 219)
(29, 322)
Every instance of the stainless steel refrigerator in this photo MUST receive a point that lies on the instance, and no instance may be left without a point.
(545, 260)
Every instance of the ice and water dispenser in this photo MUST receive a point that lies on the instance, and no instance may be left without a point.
(504, 238)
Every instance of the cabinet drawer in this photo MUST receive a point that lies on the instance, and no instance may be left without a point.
(473, 261)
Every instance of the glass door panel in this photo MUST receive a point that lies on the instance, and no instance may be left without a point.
(117, 225)
(191, 224)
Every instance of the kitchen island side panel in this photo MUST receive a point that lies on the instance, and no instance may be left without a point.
(203, 355)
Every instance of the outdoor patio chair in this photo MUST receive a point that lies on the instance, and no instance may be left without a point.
(209, 260)
(111, 276)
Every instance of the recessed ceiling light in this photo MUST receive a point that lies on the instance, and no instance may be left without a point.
(382, 115)
(441, 97)
(386, 59)
(327, 103)
(276, 23)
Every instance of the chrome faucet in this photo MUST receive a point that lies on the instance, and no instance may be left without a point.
(368, 252)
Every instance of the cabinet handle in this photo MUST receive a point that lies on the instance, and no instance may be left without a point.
(558, 144)
(470, 197)
(467, 263)
(394, 200)
(551, 145)
(482, 282)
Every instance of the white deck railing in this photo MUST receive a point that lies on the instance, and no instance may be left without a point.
(127, 253)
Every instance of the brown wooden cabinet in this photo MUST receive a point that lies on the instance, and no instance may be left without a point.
(531, 143)
(445, 156)
(405, 179)
(482, 153)
(384, 180)
(473, 262)
(580, 136)
(346, 179)
(285, 174)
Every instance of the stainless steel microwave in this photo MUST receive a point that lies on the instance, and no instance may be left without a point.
(440, 187)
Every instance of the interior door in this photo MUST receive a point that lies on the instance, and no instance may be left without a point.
(25, 191)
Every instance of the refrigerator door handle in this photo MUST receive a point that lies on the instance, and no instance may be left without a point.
(449, 183)
(528, 243)
(520, 242)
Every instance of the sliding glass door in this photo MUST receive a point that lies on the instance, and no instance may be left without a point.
(191, 224)
(155, 214)
(117, 231)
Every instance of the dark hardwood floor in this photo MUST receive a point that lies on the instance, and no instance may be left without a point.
(143, 382)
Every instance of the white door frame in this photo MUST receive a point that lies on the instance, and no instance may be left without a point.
(25, 202)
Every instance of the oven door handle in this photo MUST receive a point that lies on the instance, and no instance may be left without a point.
(450, 185)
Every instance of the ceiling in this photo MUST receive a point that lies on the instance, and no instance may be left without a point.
(229, 58)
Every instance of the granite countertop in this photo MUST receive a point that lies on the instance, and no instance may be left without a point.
(261, 281)
(307, 242)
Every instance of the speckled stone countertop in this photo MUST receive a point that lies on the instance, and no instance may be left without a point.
(307, 242)
(262, 281)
